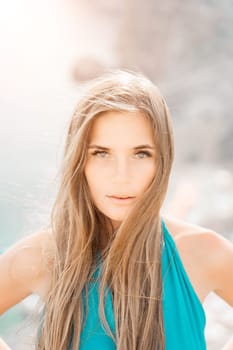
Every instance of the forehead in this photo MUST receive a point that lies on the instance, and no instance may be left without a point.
(120, 125)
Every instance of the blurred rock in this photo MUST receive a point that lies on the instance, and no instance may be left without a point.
(87, 68)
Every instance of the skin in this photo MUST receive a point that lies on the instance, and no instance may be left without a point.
(229, 345)
(207, 256)
(3, 345)
(120, 170)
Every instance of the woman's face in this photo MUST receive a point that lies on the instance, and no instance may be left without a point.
(121, 162)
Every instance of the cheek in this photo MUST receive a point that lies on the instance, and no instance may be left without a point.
(96, 173)
(149, 169)
(94, 180)
(90, 173)
(147, 175)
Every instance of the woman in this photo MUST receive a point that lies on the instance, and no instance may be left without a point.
(111, 271)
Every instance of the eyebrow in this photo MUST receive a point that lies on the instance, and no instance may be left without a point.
(107, 148)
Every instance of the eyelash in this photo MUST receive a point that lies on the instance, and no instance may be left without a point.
(148, 154)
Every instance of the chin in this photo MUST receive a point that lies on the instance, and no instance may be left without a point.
(115, 217)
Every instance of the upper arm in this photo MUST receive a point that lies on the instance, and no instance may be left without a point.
(22, 270)
(221, 267)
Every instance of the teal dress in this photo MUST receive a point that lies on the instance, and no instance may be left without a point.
(184, 316)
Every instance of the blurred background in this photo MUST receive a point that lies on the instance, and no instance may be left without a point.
(49, 48)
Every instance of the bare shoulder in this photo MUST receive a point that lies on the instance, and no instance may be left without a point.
(193, 241)
(25, 268)
(182, 230)
(32, 253)
(209, 252)
(201, 240)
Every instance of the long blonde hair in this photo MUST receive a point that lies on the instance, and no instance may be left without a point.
(131, 261)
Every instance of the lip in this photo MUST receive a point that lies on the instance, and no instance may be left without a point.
(118, 200)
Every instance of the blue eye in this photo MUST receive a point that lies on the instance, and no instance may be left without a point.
(145, 154)
(103, 154)
(100, 154)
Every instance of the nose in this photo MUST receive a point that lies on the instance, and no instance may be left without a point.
(121, 170)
